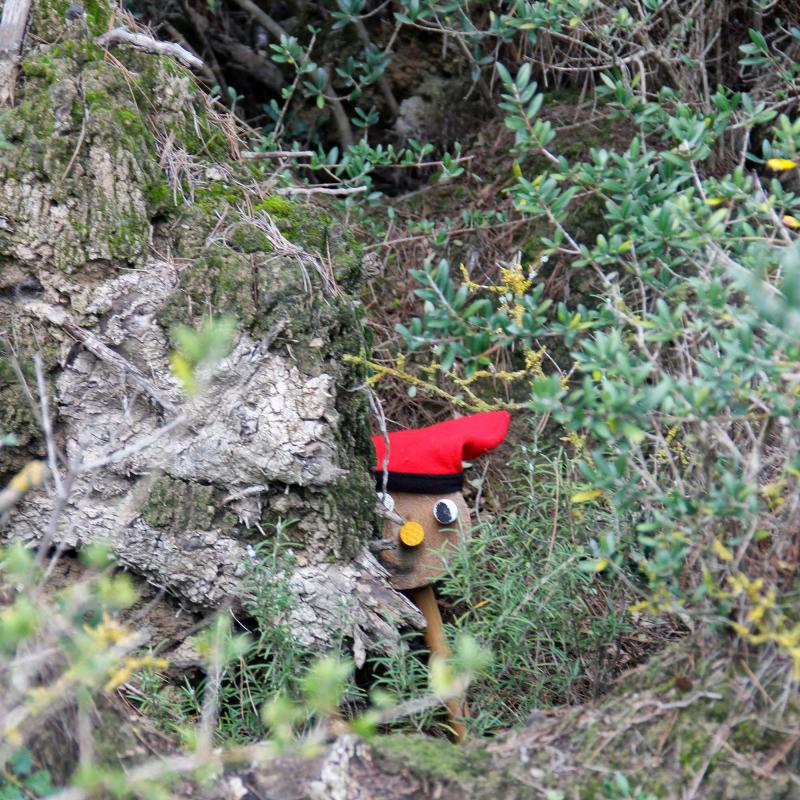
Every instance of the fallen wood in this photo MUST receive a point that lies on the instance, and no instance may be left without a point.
(149, 45)
(12, 31)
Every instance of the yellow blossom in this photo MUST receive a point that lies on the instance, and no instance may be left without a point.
(108, 632)
(131, 665)
(740, 629)
(586, 496)
(513, 279)
(791, 222)
(780, 164)
(794, 652)
(723, 552)
(533, 361)
(466, 280)
(756, 614)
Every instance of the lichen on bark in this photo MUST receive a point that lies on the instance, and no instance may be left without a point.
(124, 210)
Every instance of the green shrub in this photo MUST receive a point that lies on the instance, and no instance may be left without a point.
(680, 387)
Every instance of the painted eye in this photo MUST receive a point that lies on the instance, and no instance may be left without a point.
(445, 511)
(386, 502)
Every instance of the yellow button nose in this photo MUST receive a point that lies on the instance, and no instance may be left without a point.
(412, 534)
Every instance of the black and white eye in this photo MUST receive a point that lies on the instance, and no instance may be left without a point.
(445, 511)
(385, 502)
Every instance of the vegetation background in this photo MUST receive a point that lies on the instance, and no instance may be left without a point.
(585, 213)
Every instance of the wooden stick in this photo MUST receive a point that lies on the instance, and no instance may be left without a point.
(12, 31)
(425, 600)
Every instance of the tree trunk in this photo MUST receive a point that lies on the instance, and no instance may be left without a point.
(124, 211)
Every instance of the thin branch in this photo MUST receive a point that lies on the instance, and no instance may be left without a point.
(46, 422)
(292, 190)
(150, 45)
(261, 16)
(254, 155)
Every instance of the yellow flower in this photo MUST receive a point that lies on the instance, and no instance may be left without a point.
(780, 164)
(108, 632)
(740, 629)
(466, 280)
(756, 614)
(795, 654)
(29, 477)
(586, 496)
(132, 664)
(791, 222)
(722, 551)
(533, 361)
(514, 280)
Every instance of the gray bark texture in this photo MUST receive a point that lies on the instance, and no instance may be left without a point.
(123, 211)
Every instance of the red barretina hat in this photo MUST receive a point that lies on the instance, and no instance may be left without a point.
(428, 460)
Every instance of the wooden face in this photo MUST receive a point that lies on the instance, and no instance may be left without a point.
(421, 564)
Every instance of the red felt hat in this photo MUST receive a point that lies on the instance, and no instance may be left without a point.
(428, 460)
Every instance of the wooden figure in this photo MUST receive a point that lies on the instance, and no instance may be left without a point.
(419, 482)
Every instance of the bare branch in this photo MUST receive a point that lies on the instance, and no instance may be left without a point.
(150, 45)
(253, 155)
(46, 422)
(261, 16)
(295, 190)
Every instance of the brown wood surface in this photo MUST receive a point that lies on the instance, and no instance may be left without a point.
(411, 567)
(425, 600)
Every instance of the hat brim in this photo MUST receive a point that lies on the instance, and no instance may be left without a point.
(416, 483)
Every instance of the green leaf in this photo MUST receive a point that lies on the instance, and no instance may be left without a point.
(758, 40)
(21, 762)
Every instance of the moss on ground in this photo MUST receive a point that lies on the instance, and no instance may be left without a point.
(434, 758)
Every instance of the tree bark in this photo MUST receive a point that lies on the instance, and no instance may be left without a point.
(12, 31)
(125, 212)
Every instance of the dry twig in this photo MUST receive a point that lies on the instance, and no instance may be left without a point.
(150, 45)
